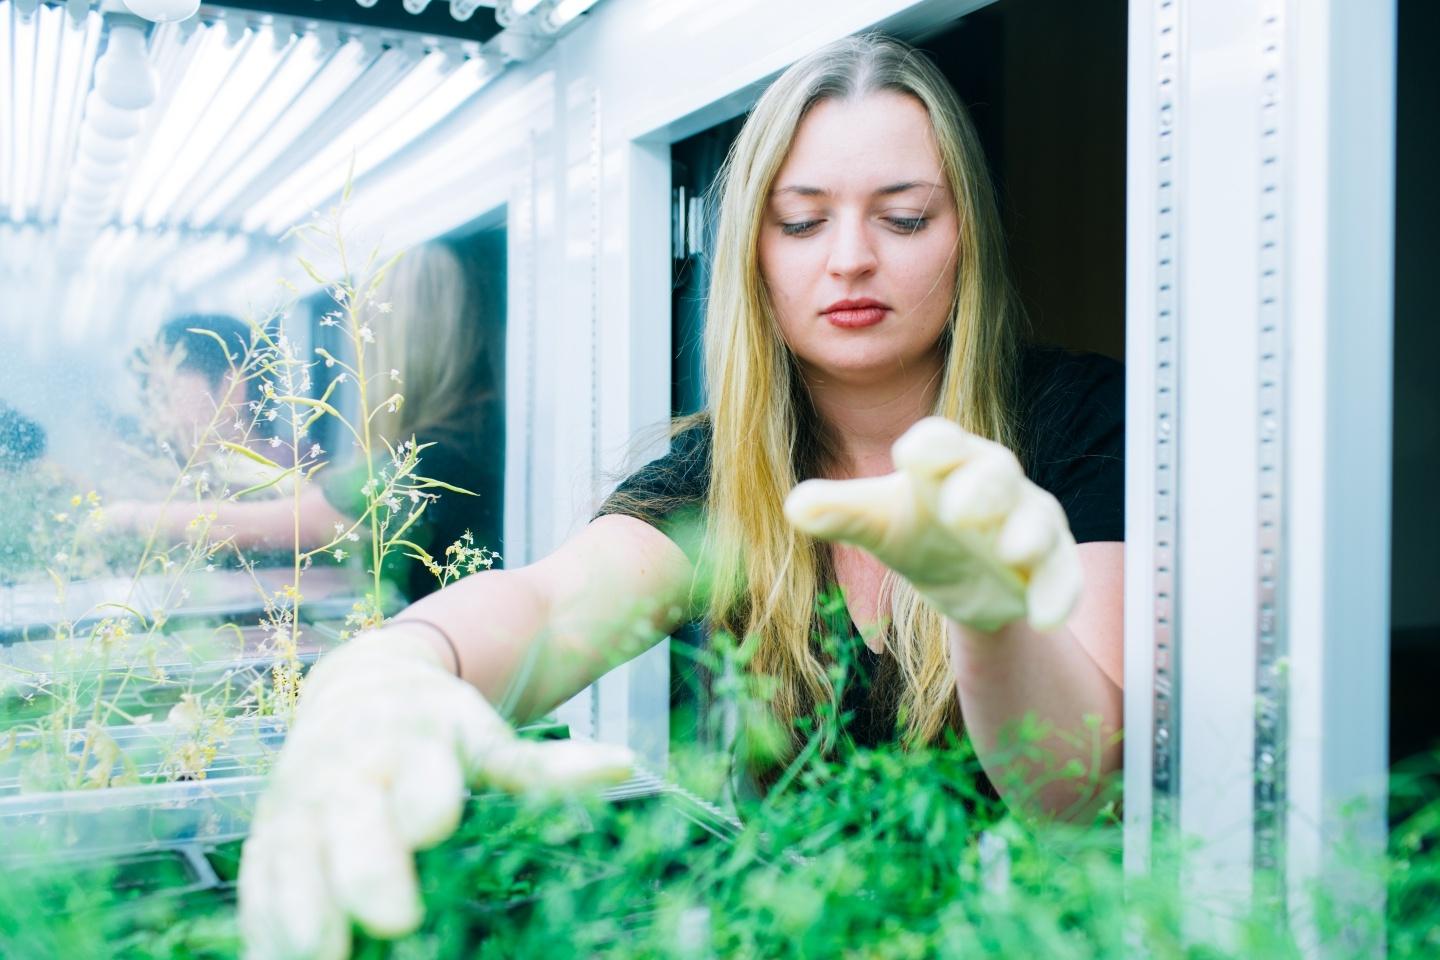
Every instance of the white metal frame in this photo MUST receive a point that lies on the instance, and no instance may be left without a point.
(1259, 275)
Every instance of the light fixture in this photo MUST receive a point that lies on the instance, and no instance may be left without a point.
(110, 120)
(300, 61)
(163, 11)
(94, 143)
(232, 99)
(23, 102)
(7, 111)
(123, 76)
(565, 11)
(77, 66)
(388, 129)
(343, 68)
(193, 90)
(460, 10)
(50, 26)
(390, 80)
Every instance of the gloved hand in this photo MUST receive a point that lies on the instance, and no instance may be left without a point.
(385, 739)
(961, 522)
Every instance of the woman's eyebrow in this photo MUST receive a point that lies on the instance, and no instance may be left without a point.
(905, 185)
(886, 191)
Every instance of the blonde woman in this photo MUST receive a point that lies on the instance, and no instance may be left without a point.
(428, 348)
(866, 388)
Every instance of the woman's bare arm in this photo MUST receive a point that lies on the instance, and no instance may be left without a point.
(533, 637)
(1060, 677)
(249, 524)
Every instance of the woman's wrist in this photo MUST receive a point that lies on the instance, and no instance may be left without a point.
(430, 638)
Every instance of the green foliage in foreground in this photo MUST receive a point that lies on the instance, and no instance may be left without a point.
(872, 854)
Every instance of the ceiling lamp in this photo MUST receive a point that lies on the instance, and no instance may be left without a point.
(125, 86)
(163, 11)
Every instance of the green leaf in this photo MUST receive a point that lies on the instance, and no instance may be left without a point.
(264, 485)
(425, 483)
(310, 402)
(249, 454)
(417, 551)
(310, 269)
(229, 358)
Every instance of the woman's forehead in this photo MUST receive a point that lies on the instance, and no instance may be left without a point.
(878, 144)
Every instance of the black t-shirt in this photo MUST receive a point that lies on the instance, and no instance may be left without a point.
(1072, 437)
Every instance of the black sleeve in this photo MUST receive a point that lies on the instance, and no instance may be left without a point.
(1076, 438)
(669, 493)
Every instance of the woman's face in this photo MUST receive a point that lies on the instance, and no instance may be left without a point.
(859, 243)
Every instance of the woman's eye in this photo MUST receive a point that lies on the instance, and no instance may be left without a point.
(908, 224)
(799, 228)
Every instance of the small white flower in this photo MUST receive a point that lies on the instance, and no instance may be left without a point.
(339, 529)
(390, 407)
(352, 535)
(274, 441)
(341, 378)
(270, 414)
(239, 427)
(209, 567)
(393, 503)
(315, 450)
(414, 496)
(329, 361)
(367, 334)
(339, 554)
(394, 374)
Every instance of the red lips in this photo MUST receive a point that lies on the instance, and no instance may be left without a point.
(852, 314)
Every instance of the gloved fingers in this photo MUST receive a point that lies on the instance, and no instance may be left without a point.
(1055, 586)
(863, 512)
(1029, 532)
(933, 447)
(372, 870)
(983, 491)
(287, 909)
(427, 793)
(556, 765)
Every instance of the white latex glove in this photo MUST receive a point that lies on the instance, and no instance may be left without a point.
(384, 742)
(961, 522)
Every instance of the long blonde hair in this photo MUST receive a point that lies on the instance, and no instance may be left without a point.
(430, 338)
(764, 577)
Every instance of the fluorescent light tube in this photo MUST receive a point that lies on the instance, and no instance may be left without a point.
(23, 99)
(7, 110)
(232, 99)
(343, 68)
(193, 91)
(565, 11)
(330, 161)
(388, 134)
(299, 66)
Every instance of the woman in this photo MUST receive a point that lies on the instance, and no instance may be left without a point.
(862, 343)
(428, 348)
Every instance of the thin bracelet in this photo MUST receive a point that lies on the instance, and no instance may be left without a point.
(454, 651)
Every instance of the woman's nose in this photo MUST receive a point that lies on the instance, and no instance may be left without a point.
(852, 253)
